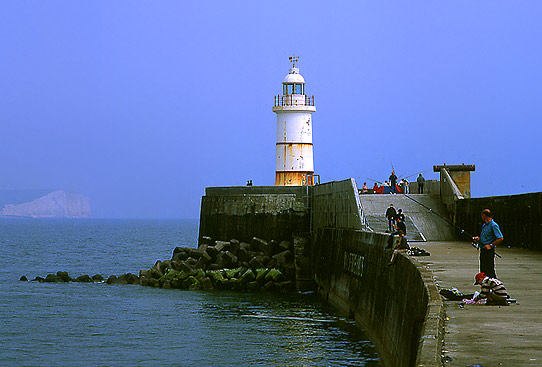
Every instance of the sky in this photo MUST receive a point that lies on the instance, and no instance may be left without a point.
(142, 104)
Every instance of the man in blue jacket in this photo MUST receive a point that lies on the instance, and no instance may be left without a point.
(490, 237)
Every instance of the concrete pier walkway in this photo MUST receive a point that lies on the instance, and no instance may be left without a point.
(489, 335)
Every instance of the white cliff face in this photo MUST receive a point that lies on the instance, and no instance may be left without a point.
(56, 204)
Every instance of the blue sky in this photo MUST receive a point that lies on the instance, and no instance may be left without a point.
(141, 104)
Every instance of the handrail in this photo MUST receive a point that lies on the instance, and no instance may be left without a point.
(289, 100)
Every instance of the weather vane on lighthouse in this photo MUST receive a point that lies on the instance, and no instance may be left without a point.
(294, 160)
(293, 59)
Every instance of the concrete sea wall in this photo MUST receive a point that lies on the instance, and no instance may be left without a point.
(336, 204)
(268, 212)
(519, 216)
(397, 305)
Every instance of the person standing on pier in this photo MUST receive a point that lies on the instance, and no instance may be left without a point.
(490, 237)
(393, 183)
(421, 183)
(390, 214)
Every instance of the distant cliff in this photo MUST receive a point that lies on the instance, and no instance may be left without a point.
(57, 204)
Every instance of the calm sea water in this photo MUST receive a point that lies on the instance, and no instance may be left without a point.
(77, 324)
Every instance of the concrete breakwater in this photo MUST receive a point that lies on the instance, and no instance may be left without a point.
(398, 307)
(242, 266)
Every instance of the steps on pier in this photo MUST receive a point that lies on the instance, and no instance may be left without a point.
(421, 224)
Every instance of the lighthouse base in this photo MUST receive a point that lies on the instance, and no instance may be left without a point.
(294, 178)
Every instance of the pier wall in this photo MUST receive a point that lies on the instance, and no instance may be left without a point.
(519, 216)
(336, 204)
(267, 212)
(397, 305)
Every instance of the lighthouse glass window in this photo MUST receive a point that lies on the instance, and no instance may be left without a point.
(293, 89)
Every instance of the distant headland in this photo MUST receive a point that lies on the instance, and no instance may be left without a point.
(56, 204)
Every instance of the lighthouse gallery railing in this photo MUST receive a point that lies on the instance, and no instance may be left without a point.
(289, 100)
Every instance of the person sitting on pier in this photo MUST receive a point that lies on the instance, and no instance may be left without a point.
(402, 246)
(492, 290)
(365, 189)
(375, 188)
(400, 223)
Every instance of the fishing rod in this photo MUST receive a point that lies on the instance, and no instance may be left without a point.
(414, 174)
(372, 179)
(461, 230)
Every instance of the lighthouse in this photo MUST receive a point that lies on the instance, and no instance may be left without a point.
(294, 165)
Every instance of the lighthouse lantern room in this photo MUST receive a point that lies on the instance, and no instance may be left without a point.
(294, 165)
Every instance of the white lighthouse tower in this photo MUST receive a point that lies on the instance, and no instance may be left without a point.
(295, 166)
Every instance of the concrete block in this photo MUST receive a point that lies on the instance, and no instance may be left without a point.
(247, 277)
(206, 240)
(189, 283)
(201, 264)
(187, 267)
(205, 284)
(274, 275)
(221, 260)
(83, 279)
(232, 273)
(191, 261)
(260, 275)
(245, 246)
(234, 246)
(180, 256)
(213, 266)
(243, 255)
(195, 253)
(283, 258)
(271, 264)
(97, 278)
(212, 251)
(51, 278)
(283, 246)
(63, 275)
(273, 245)
(178, 250)
(258, 243)
(164, 266)
(231, 259)
(176, 265)
(222, 246)
(155, 273)
(255, 263)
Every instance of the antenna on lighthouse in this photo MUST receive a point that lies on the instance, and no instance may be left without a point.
(293, 59)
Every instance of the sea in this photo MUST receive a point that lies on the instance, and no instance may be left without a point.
(96, 324)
